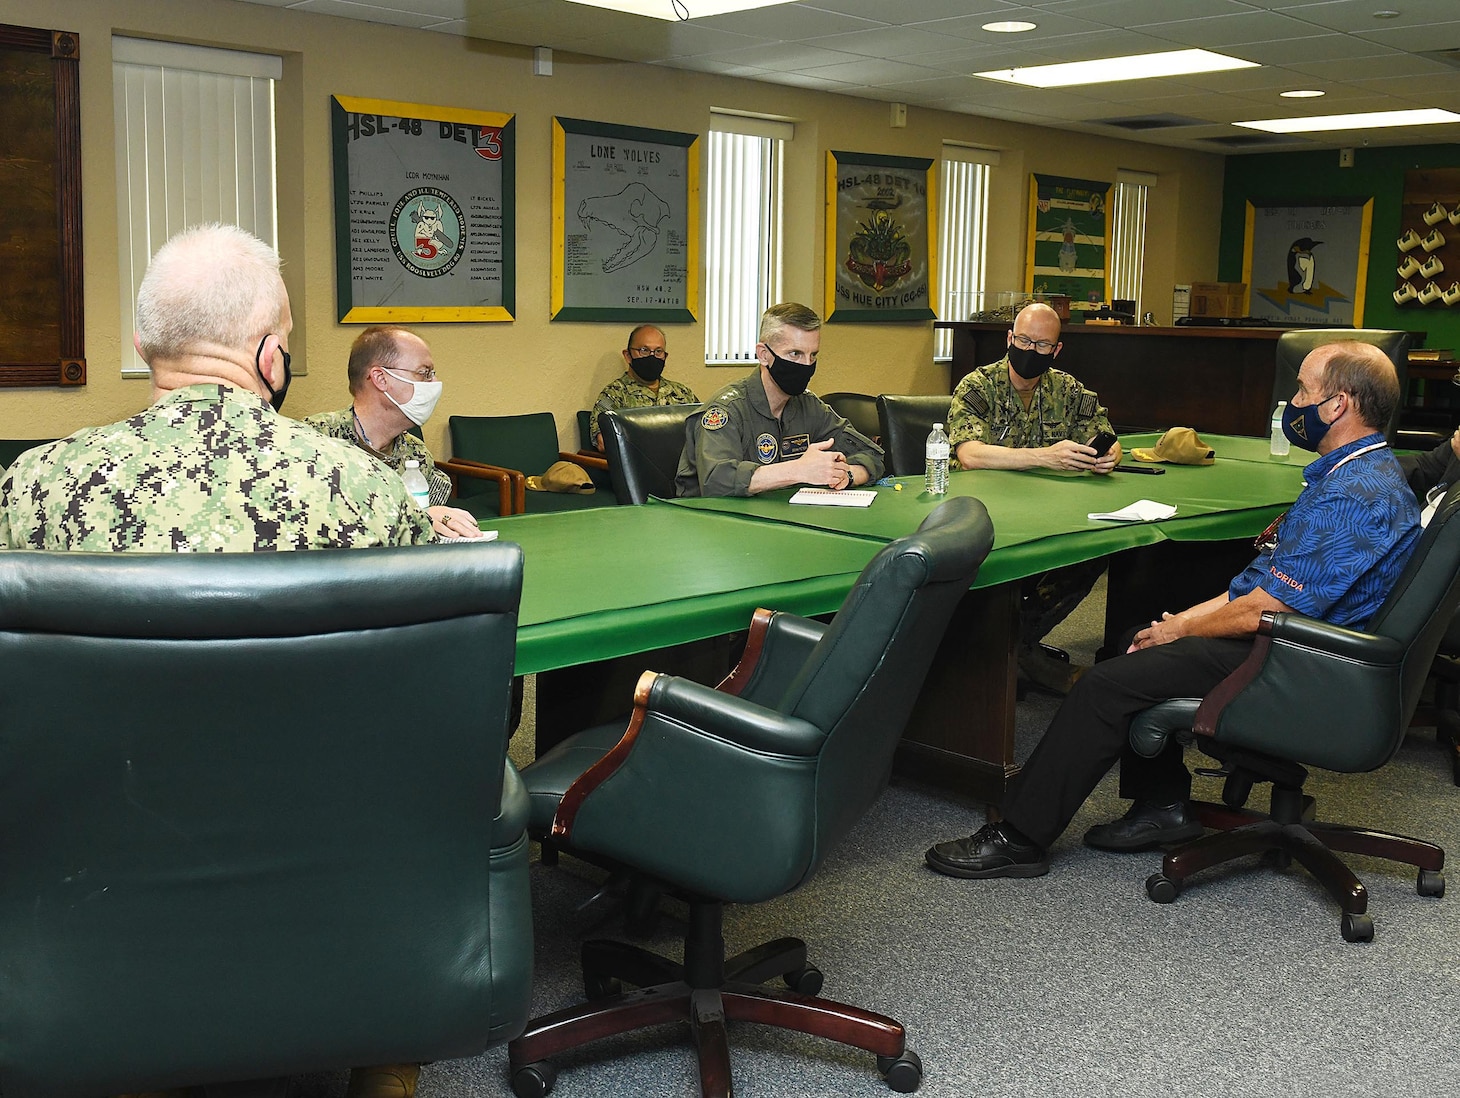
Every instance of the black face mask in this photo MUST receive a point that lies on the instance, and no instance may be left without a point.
(648, 368)
(1029, 363)
(276, 396)
(790, 377)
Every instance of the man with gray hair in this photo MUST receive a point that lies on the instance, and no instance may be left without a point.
(210, 465)
(766, 431)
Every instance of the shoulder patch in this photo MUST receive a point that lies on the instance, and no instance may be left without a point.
(977, 402)
(766, 447)
(1089, 404)
(714, 418)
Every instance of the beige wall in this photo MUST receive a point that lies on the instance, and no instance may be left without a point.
(531, 363)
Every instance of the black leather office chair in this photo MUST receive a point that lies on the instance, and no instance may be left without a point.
(238, 842)
(12, 448)
(858, 409)
(643, 447)
(736, 795)
(906, 422)
(1294, 346)
(1313, 694)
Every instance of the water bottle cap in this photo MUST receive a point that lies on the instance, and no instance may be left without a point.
(413, 465)
(937, 426)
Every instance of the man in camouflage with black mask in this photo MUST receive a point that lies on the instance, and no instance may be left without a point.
(1020, 413)
(210, 465)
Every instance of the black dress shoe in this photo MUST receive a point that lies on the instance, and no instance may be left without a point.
(988, 852)
(1145, 827)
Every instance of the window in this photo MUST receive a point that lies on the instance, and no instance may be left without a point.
(195, 143)
(743, 232)
(1128, 236)
(963, 218)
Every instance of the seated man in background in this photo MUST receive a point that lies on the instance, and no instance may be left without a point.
(643, 384)
(1021, 413)
(1429, 474)
(766, 431)
(212, 466)
(1334, 556)
(393, 385)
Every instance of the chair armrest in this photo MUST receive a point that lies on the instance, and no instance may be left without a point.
(511, 483)
(585, 458)
(1151, 728)
(775, 651)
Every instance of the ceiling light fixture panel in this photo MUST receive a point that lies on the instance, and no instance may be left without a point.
(1141, 66)
(1430, 116)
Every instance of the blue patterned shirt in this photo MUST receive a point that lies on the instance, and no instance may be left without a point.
(1341, 546)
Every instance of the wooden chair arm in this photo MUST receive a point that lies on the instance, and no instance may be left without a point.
(586, 459)
(741, 673)
(600, 771)
(511, 483)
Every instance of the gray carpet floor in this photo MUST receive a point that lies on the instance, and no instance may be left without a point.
(1070, 984)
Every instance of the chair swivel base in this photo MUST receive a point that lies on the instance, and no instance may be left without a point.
(1312, 845)
(665, 997)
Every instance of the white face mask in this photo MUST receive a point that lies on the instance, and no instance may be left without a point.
(423, 400)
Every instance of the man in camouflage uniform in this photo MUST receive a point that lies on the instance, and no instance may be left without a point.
(643, 384)
(766, 431)
(209, 466)
(392, 386)
(1020, 413)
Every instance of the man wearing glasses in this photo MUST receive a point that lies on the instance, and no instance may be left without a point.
(392, 386)
(1020, 413)
(1334, 556)
(642, 384)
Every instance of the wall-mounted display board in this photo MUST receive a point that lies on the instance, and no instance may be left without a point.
(626, 224)
(425, 212)
(879, 248)
(42, 336)
(1306, 263)
(1427, 250)
(1069, 223)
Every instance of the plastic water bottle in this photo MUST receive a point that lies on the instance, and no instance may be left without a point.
(935, 481)
(1277, 444)
(415, 482)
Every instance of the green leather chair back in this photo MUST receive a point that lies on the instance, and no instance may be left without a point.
(906, 422)
(12, 448)
(237, 842)
(527, 443)
(1294, 346)
(858, 409)
(585, 441)
(643, 447)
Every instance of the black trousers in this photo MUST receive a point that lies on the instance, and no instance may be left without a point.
(1091, 731)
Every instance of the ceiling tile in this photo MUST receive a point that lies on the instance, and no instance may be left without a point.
(887, 42)
(789, 22)
(868, 71)
(1357, 16)
(1224, 32)
(912, 11)
(367, 12)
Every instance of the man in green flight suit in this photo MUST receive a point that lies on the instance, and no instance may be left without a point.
(1021, 413)
(642, 384)
(766, 431)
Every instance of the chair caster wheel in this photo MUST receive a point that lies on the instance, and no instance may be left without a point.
(534, 1080)
(600, 987)
(904, 1073)
(1357, 928)
(806, 981)
(1162, 888)
(1431, 882)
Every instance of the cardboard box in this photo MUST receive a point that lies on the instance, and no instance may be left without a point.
(1227, 299)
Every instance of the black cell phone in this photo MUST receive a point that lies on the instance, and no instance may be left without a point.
(1101, 443)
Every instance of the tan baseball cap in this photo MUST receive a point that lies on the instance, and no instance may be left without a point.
(1179, 446)
(563, 476)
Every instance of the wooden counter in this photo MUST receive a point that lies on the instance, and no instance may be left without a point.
(1217, 379)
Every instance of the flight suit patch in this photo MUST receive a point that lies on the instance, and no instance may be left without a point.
(766, 448)
(795, 445)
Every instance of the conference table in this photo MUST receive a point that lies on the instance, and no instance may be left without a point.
(609, 592)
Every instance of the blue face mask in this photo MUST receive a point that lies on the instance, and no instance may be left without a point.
(1303, 426)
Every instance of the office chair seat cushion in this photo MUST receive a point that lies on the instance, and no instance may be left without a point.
(552, 773)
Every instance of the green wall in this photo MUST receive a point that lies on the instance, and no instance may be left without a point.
(1316, 176)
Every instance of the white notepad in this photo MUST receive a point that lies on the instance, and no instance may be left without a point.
(487, 535)
(826, 497)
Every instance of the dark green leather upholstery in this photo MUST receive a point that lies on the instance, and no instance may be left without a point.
(906, 422)
(12, 448)
(1295, 345)
(858, 409)
(643, 447)
(527, 443)
(237, 841)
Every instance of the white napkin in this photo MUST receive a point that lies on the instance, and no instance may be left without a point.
(1142, 510)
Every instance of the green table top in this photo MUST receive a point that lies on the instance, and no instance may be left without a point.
(611, 581)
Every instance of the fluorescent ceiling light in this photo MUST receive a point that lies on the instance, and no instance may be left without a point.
(1010, 26)
(1430, 116)
(679, 9)
(1301, 93)
(1139, 66)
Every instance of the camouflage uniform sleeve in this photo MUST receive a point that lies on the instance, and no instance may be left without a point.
(683, 394)
(720, 448)
(1085, 417)
(970, 410)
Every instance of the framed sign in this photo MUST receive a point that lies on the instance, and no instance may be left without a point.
(425, 212)
(42, 331)
(1307, 264)
(879, 245)
(1068, 224)
(626, 223)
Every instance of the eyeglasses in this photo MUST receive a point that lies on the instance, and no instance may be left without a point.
(645, 352)
(425, 373)
(1043, 346)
